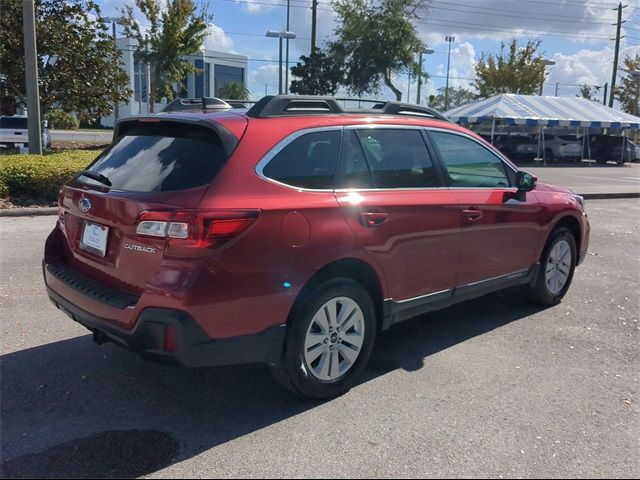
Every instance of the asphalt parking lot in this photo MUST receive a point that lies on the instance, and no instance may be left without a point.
(495, 387)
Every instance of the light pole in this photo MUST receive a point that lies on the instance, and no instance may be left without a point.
(286, 74)
(114, 21)
(426, 51)
(280, 36)
(204, 71)
(450, 40)
(31, 74)
(545, 63)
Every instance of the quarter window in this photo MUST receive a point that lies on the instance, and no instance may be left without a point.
(398, 158)
(468, 163)
(309, 161)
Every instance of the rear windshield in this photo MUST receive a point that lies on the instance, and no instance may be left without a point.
(160, 157)
(13, 122)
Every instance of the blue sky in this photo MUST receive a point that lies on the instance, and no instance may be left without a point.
(576, 34)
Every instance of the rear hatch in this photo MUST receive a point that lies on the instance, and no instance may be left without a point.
(154, 168)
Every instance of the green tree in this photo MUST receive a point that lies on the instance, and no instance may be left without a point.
(588, 92)
(80, 69)
(234, 91)
(316, 74)
(627, 92)
(520, 70)
(176, 29)
(375, 41)
(457, 98)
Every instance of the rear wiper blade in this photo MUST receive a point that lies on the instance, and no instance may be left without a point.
(98, 177)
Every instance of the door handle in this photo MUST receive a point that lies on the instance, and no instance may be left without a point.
(373, 219)
(472, 215)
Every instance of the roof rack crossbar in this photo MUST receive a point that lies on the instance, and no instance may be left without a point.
(283, 105)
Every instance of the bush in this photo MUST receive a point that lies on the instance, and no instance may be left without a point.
(61, 120)
(38, 176)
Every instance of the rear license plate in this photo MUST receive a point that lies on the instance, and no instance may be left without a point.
(94, 238)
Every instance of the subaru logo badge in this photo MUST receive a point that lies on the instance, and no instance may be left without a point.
(85, 204)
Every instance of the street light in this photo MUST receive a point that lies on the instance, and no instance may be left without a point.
(280, 36)
(450, 40)
(114, 21)
(545, 63)
(426, 51)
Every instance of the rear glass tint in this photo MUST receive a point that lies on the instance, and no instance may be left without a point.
(309, 161)
(160, 157)
(13, 122)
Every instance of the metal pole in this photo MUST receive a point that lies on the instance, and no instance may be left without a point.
(150, 101)
(314, 20)
(280, 68)
(31, 71)
(557, 85)
(637, 105)
(544, 69)
(419, 79)
(446, 88)
(615, 56)
(409, 86)
(493, 128)
(604, 99)
(286, 74)
(116, 107)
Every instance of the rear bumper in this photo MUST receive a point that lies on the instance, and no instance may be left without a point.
(194, 347)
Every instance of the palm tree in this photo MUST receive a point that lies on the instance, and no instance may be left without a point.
(234, 91)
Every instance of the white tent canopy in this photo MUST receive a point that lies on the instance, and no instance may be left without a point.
(511, 109)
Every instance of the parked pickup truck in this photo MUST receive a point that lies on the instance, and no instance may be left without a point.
(14, 132)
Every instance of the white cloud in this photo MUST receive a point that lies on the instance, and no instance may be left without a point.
(259, 6)
(261, 76)
(591, 67)
(218, 40)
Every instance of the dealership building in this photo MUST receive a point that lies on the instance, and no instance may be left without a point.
(219, 68)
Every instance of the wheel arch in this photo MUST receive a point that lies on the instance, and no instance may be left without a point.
(352, 268)
(572, 224)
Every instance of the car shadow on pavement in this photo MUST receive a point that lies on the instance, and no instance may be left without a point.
(75, 410)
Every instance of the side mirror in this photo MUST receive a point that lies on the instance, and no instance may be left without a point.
(525, 182)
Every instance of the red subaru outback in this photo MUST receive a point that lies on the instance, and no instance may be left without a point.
(294, 232)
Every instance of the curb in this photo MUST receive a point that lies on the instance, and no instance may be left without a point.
(609, 196)
(43, 211)
(28, 212)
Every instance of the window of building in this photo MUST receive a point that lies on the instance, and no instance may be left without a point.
(224, 74)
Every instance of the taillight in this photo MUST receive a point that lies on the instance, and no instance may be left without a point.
(193, 233)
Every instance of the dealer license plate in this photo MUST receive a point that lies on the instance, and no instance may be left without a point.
(94, 238)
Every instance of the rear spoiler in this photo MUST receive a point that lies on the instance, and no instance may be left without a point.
(228, 140)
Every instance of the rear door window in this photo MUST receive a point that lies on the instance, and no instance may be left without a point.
(161, 157)
(310, 161)
(398, 158)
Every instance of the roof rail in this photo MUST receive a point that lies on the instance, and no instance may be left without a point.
(296, 105)
(202, 103)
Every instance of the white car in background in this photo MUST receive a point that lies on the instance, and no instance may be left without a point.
(14, 132)
(562, 147)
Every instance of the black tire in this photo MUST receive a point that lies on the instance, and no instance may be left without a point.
(540, 292)
(292, 372)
